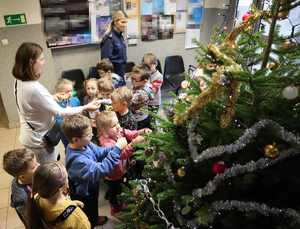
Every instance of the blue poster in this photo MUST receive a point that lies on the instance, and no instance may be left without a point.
(158, 6)
(146, 7)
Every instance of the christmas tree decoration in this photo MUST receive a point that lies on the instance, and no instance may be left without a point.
(271, 151)
(290, 92)
(247, 16)
(185, 84)
(288, 44)
(219, 167)
(181, 172)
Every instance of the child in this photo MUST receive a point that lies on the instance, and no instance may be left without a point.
(51, 206)
(91, 90)
(109, 131)
(21, 164)
(63, 96)
(86, 163)
(105, 70)
(121, 100)
(105, 88)
(142, 95)
(156, 80)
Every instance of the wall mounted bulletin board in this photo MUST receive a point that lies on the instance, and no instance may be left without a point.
(77, 22)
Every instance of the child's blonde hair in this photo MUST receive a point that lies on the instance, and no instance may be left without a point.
(123, 94)
(104, 120)
(61, 83)
(105, 85)
(142, 71)
(75, 126)
(90, 80)
(150, 58)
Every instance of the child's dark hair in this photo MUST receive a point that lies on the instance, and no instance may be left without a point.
(142, 71)
(15, 162)
(105, 65)
(47, 181)
(75, 126)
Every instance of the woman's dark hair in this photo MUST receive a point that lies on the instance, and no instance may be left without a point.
(47, 180)
(26, 56)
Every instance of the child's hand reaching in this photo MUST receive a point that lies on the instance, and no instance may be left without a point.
(121, 143)
(145, 131)
(138, 139)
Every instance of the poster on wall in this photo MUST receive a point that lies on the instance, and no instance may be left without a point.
(191, 35)
(194, 20)
(149, 30)
(195, 11)
(181, 5)
(132, 31)
(146, 7)
(166, 26)
(102, 23)
(131, 7)
(180, 21)
(158, 6)
(170, 7)
(115, 5)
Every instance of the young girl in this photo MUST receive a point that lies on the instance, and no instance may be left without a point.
(91, 90)
(51, 207)
(109, 131)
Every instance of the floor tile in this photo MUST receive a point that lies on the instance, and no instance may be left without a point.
(3, 215)
(4, 197)
(13, 220)
(5, 179)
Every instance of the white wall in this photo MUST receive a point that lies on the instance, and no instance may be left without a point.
(31, 8)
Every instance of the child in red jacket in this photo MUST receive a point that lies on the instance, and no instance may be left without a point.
(109, 131)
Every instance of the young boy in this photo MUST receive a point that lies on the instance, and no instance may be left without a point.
(86, 163)
(109, 130)
(105, 70)
(156, 80)
(21, 164)
(121, 100)
(142, 95)
(63, 96)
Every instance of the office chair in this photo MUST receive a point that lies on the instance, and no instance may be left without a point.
(173, 72)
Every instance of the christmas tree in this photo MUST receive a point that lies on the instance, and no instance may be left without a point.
(228, 154)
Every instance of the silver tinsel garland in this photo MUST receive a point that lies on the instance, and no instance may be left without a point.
(194, 138)
(238, 169)
(242, 142)
(263, 209)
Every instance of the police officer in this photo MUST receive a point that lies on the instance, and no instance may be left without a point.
(113, 45)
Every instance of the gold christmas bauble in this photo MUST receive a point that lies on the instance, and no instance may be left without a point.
(287, 44)
(272, 66)
(271, 151)
(181, 172)
(283, 14)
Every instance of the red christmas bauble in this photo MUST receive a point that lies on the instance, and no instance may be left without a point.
(219, 167)
(246, 16)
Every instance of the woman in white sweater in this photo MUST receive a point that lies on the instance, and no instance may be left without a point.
(37, 107)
